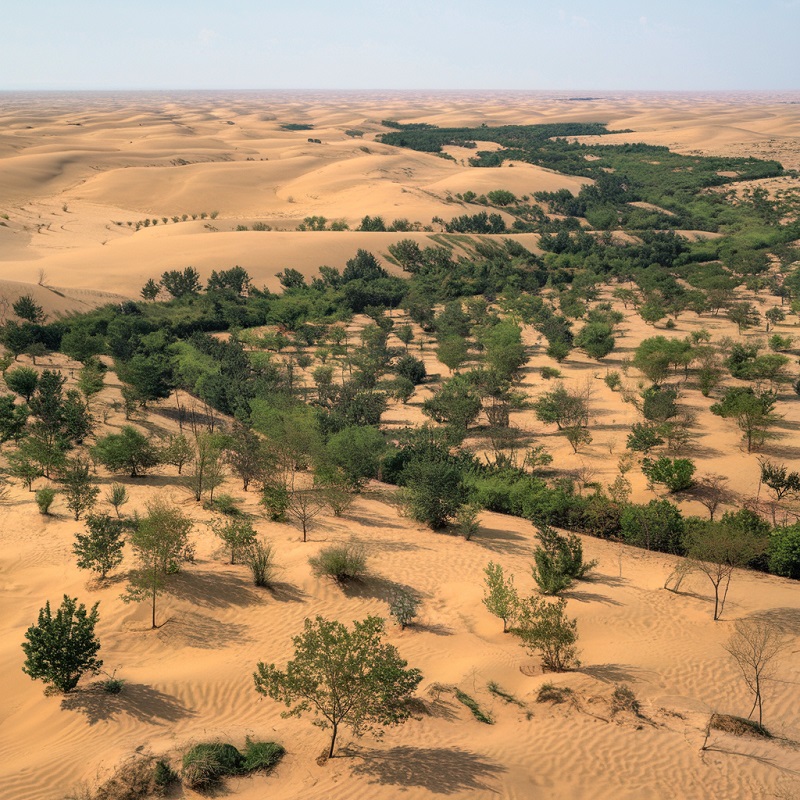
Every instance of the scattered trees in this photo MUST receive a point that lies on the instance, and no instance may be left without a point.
(344, 677)
(128, 451)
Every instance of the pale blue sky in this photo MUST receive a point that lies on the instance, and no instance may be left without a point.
(402, 44)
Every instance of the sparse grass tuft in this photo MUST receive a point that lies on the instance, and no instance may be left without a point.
(472, 704)
(738, 726)
(550, 693)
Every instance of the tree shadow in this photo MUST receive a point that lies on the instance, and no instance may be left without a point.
(435, 628)
(787, 620)
(137, 700)
(220, 590)
(286, 593)
(612, 673)
(590, 597)
(601, 577)
(440, 770)
(377, 587)
(500, 541)
(190, 629)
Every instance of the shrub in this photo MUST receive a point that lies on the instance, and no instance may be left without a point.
(261, 755)
(623, 699)
(613, 380)
(403, 607)
(260, 557)
(500, 596)
(643, 438)
(100, 548)
(225, 504)
(343, 563)
(467, 520)
(676, 474)
(275, 498)
(559, 560)
(655, 526)
(550, 372)
(408, 366)
(543, 627)
(44, 499)
(205, 764)
(784, 552)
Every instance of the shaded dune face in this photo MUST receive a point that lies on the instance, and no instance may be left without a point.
(70, 170)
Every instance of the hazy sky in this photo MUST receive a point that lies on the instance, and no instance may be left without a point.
(402, 44)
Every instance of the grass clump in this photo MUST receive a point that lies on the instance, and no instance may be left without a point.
(495, 689)
(738, 726)
(344, 563)
(472, 704)
(205, 764)
(623, 699)
(550, 693)
(261, 755)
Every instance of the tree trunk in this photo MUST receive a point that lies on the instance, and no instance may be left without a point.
(333, 740)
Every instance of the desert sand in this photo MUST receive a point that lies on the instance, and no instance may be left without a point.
(73, 171)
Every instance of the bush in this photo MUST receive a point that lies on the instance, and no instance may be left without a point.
(656, 526)
(412, 368)
(205, 764)
(44, 499)
(559, 561)
(260, 557)
(543, 627)
(343, 563)
(784, 552)
(550, 372)
(275, 498)
(613, 380)
(676, 474)
(403, 607)
(261, 755)
(225, 504)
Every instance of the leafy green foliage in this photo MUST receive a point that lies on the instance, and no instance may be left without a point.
(675, 473)
(60, 649)
(343, 677)
(128, 451)
(544, 628)
(100, 548)
(500, 595)
(343, 563)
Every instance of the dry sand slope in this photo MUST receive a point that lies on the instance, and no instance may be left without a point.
(73, 166)
(117, 159)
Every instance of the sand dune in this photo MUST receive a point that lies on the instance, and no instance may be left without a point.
(113, 159)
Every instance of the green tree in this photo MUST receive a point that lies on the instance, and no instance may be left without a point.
(25, 307)
(61, 648)
(500, 595)
(176, 451)
(434, 492)
(456, 404)
(12, 419)
(655, 526)
(596, 339)
(246, 454)
(23, 381)
(784, 552)
(544, 628)
(79, 489)
(160, 541)
(452, 352)
(504, 351)
(567, 408)
(182, 283)
(343, 677)
(753, 412)
(100, 548)
(128, 451)
(238, 535)
(357, 452)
